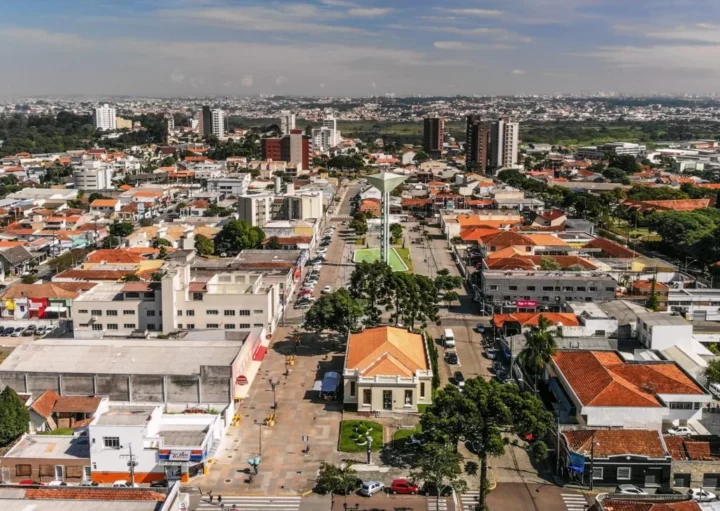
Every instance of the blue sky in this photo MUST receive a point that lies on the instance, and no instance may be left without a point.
(363, 47)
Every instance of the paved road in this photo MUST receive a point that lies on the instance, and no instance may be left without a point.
(536, 497)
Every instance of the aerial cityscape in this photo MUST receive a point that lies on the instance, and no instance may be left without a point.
(334, 256)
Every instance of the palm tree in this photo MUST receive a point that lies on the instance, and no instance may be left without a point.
(539, 347)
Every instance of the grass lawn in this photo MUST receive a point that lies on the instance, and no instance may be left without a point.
(59, 431)
(404, 254)
(370, 255)
(349, 433)
(401, 438)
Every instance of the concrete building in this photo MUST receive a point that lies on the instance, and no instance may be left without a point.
(123, 124)
(433, 136)
(505, 143)
(45, 458)
(659, 331)
(330, 123)
(105, 118)
(612, 149)
(256, 209)
(195, 367)
(205, 118)
(477, 145)
(93, 175)
(696, 304)
(259, 209)
(293, 148)
(235, 184)
(169, 122)
(387, 369)
(322, 139)
(287, 122)
(218, 122)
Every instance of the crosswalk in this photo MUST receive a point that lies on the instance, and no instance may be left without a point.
(470, 500)
(251, 504)
(434, 505)
(574, 501)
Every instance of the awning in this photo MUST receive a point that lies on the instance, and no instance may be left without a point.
(56, 308)
(260, 353)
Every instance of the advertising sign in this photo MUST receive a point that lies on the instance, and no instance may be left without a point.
(526, 304)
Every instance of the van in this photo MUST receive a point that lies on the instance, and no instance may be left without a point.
(448, 338)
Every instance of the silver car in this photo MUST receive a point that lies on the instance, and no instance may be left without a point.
(370, 488)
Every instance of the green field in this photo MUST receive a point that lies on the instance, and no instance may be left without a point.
(370, 255)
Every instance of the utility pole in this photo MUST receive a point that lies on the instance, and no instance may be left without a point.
(131, 464)
(592, 460)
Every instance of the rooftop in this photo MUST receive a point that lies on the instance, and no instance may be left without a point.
(72, 498)
(50, 447)
(184, 438)
(693, 448)
(662, 319)
(386, 351)
(616, 442)
(135, 416)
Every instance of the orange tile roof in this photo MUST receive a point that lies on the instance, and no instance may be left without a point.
(506, 252)
(710, 186)
(103, 203)
(125, 188)
(57, 290)
(612, 249)
(95, 274)
(679, 205)
(99, 494)
(605, 379)
(45, 403)
(692, 449)
(386, 348)
(546, 240)
(112, 255)
(616, 442)
(477, 233)
(533, 318)
(146, 193)
(566, 261)
(77, 404)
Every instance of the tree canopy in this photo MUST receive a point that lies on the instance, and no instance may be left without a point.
(236, 236)
(122, 229)
(336, 311)
(204, 246)
(14, 417)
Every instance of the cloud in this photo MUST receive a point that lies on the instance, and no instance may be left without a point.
(368, 12)
(45, 38)
(499, 34)
(518, 71)
(337, 3)
(666, 58)
(482, 13)
(374, 85)
(466, 46)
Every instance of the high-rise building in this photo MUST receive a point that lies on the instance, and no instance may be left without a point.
(287, 122)
(293, 148)
(218, 123)
(206, 121)
(329, 122)
(505, 143)
(105, 118)
(491, 145)
(477, 144)
(322, 139)
(433, 136)
(271, 149)
(169, 122)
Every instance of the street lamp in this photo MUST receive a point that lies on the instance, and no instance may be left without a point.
(261, 424)
(592, 460)
(274, 384)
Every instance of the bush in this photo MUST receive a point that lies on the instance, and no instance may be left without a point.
(434, 359)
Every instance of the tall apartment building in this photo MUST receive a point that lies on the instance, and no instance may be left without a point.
(287, 122)
(491, 145)
(218, 122)
(505, 143)
(105, 118)
(93, 175)
(256, 209)
(322, 139)
(259, 209)
(477, 143)
(330, 123)
(293, 148)
(205, 126)
(169, 122)
(433, 136)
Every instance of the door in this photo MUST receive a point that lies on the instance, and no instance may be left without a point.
(387, 399)
(652, 477)
(682, 480)
(700, 316)
(59, 473)
(87, 473)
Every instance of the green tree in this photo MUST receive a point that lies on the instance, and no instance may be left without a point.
(616, 175)
(162, 254)
(14, 417)
(204, 246)
(161, 242)
(396, 232)
(625, 162)
(549, 263)
(111, 242)
(332, 479)
(131, 278)
(439, 466)
(712, 371)
(95, 196)
(480, 415)
(360, 227)
(336, 311)
(539, 348)
(122, 229)
(369, 283)
(451, 296)
(414, 298)
(236, 236)
(29, 279)
(653, 302)
(273, 243)
(421, 156)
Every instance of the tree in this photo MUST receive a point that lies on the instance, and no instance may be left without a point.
(653, 302)
(29, 279)
(369, 283)
(236, 236)
(336, 311)
(421, 157)
(162, 254)
(161, 242)
(122, 229)
(95, 196)
(615, 175)
(146, 222)
(712, 371)
(451, 296)
(360, 227)
(539, 348)
(480, 414)
(111, 242)
(273, 243)
(14, 417)
(548, 263)
(131, 278)
(625, 162)
(333, 479)
(204, 245)
(396, 232)
(575, 267)
(413, 298)
(439, 466)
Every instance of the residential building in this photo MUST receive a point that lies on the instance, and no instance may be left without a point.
(105, 118)
(49, 300)
(330, 123)
(659, 331)
(45, 458)
(205, 126)
(293, 148)
(287, 122)
(92, 176)
(259, 209)
(601, 389)
(504, 143)
(92, 499)
(618, 456)
(695, 461)
(234, 184)
(51, 411)
(169, 122)
(433, 136)
(105, 206)
(477, 145)
(322, 139)
(218, 122)
(256, 209)
(387, 369)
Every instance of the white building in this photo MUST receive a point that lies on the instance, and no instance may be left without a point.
(259, 209)
(322, 139)
(505, 143)
(93, 175)
(330, 122)
(218, 123)
(287, 122)
(613, 148)
(659, 331)
(105, 118)
(256, 209)
(236, 184)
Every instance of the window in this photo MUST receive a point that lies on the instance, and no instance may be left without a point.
(129, 325)
(111, 442)
(179, 325)
(493, 288)
(545, 298)
(367, 397)
(593, 289)
(597, 473)
(132, 295)
(128, 313)
(507, 298)
(568, 289)
(179, 312)
(97, 327)
(257, 311)
(83, 311)
(422, 390)
(352, 389)
(150, 313)
(191, 326)
(84, 325)
(698, 406)
(112, 326)
(96, 312)
(244, 313)
(610, 289)
(197, 297)
(258, 325)
(623, 473)
(558, 288)
(229, 326)
(531, 288)
(23, 470)
(547, 288)
(588, 299)
(229, 312)
(111, 313)
(513, 288)
(151, 326)
(189, 312)
(581, 288)
(212, 312)
(408, 398)
(212, 325)
(600, 333)
(674, 405)
(244, 325)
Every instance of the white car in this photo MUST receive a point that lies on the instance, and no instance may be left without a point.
(680, 431)
(122, 483)
(700, 495)
(629, 489)
(326, 290)
(57, 483)
(370, 488)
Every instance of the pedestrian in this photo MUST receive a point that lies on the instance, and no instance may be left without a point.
(211, 497)
(219, 499)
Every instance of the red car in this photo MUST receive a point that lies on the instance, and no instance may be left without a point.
(30, 482)
(403, 486)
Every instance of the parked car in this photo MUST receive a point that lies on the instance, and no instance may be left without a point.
(162, 483)
(700, 495)
(403, 487)
(491, 353)
(7, 331)
(30, 482)
(370, 488)
(30, 330)
(479, 328)
(630, 489)
(122, 483)
(459, 379)
(17, 332)
(57, 483)
(326, 290)
(451, 357)
(680, 431)
(88, 483)
(431, 489)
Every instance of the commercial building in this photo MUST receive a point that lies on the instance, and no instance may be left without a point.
(387, 369)
(235, 184)
(612, 149)
(93, 175)
(330, 123)
(433, 136)
(287, 122)
(293, 148)
(105, 118)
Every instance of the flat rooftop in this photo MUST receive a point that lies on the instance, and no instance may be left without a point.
(50, 447)
(131, 416)
(121, 356)
(183, 438)
(587, 309)
(676, 293)
(70, 498)
(662, 319)
(267, 256)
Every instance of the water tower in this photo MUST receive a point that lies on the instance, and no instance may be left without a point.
(386, 182)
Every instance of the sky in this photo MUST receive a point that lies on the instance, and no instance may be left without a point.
(358, 47)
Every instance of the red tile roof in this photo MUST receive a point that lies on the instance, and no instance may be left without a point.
(111, 255)
(104, 494)
(615, 503)
(616, 442)
(691, 449)
(45, 403)
(533, 318)
(602, 378)
(77, 404)
(552, 214)
(612, 249)
(94, 274)
(104, 203)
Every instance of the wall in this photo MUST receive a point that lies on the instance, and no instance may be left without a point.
(696, 469)
(35, 463)
(108, 466)
(398, 395)
(628, 417)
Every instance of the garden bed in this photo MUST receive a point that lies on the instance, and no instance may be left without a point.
(353, 435)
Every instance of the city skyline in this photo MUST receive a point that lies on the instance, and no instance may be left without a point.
(339, 47)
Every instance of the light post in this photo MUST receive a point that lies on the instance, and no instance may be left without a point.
(592, 460)
(260, 424)
(369, 448)
(274, 384)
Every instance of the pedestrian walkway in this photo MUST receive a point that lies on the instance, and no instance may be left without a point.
(469, 500)
(433, 505)
(574, 501)
(250, 504)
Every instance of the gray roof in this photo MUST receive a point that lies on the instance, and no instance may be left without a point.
(518, 342)
(625, 312)
(50, 447)
(131, 416)
(122, 356)
(663, 319)
(183, 438)
(17, 255)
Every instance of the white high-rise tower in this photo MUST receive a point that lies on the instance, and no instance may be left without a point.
(287, 122)
(105, 118)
